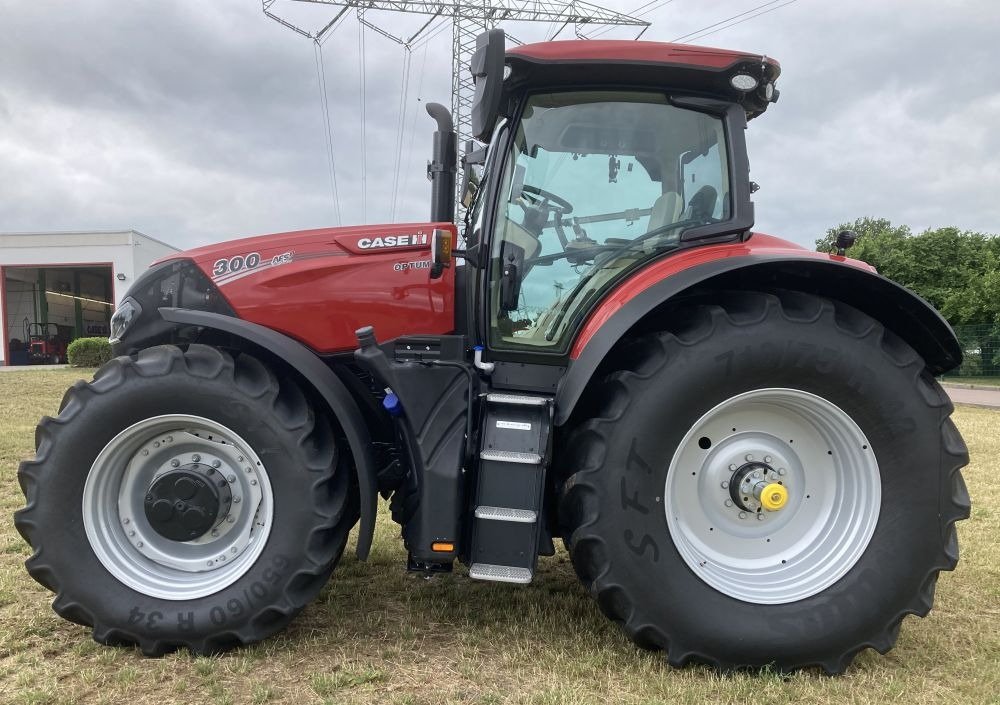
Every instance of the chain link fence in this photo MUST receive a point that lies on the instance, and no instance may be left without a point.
(981, 350)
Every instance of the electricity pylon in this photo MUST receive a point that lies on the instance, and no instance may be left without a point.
(469, 19)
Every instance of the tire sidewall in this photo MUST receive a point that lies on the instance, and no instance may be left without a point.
(116, 606)
(855, 373)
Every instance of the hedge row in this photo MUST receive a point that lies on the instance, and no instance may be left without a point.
(88, 352)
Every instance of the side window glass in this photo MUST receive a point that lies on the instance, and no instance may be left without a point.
(702, 180)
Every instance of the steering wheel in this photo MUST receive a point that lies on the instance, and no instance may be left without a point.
(546, 200)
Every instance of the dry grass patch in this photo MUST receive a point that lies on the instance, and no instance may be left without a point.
(379, 634)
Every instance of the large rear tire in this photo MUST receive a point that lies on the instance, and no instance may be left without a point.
(185, 498)
(846, 439)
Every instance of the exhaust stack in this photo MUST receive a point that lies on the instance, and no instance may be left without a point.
(443, 165)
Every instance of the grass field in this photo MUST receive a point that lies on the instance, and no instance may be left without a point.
(378, 634)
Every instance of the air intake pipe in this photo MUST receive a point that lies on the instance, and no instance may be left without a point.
(443, 165)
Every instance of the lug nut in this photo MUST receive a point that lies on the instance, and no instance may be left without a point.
(215, 532)
(749, 457)
(756, 476)
(216, 463)
(725, 484)
(126, 521)
(132, 532)
(729, 502)
(139, 544)
(782, 471)
(145, 452)
(233, 549)
(230, 518)
(760, 517)
(743, 515)
(196, 458)
(169, 439)
(248, 471)
(237, 500)
(732, 466)
(240, 459)
(253, 482)
(174, 463)
(767, 458)
(232, 479)
(210, 563)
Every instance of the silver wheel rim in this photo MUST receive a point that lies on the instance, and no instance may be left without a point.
(135, 553)
(822, 459)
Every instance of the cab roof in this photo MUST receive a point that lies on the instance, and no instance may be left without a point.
(637, 63)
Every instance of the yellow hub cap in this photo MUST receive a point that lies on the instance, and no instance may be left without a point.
(773, 497)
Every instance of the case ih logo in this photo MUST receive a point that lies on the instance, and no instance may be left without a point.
(385, 241)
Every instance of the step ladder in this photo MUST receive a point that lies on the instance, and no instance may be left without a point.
(510, 487)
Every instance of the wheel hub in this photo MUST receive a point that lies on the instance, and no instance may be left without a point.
(757, 486)
(187, 502)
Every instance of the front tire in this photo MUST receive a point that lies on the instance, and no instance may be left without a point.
(752, 390)
(185, 498)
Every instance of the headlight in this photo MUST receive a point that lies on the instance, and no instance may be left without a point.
(124, 316)
(743, 82)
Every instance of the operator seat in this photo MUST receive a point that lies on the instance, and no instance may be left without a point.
(667, 209)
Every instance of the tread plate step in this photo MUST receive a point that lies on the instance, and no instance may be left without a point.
(517, 399)
(523, 516)
(500, 573)
(509, 456)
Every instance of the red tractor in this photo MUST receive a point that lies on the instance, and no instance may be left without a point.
(45, 345)
(740, 442)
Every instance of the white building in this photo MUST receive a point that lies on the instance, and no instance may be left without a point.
(65, 285)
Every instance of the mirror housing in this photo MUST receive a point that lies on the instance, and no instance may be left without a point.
(845, 241)
(486, 67)
(471, 180)
(441, 245)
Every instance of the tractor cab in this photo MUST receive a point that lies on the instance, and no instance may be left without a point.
(588, 177)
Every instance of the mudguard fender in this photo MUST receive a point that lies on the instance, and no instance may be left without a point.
(327, 385)
(894, 306)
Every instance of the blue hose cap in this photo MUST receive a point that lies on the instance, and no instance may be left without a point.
(392, 404)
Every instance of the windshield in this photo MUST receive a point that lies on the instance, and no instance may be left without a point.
(595, 182)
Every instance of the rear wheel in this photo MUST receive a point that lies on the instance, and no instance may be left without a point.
(205, 500)
(774, 481)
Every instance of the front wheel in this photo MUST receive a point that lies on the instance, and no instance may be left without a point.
(773, 482)
(185, 498)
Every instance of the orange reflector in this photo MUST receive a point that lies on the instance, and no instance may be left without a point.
(442, 547)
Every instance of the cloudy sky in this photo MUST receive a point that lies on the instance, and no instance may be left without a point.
(201, 121)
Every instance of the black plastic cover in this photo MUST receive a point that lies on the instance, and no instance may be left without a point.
(177, 283)
(487, 72)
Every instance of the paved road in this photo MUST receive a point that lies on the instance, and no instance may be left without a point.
(977, 397)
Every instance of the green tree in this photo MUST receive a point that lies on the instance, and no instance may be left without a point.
(956, 271)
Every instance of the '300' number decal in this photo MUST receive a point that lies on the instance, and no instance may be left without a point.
(235, 264)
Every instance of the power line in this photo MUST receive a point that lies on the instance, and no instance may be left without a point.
(745, 19)
(404, 90)
(720, 22)
(364, 101)
(327, 127)
(413, 122)
(640, 11)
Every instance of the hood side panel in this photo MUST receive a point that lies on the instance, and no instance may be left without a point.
(319, 286)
